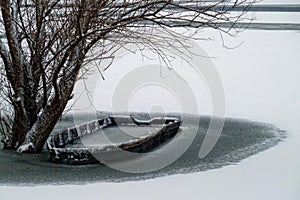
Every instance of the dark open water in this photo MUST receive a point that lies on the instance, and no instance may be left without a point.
(239, 140)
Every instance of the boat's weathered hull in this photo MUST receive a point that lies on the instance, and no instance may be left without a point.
(59, 153)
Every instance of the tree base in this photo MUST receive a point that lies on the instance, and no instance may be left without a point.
(26, 148)
(9, 144)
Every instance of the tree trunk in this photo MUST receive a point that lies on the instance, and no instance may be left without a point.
(42, 128)
(40, 131)
(19, 129)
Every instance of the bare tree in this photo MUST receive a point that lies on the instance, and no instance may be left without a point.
(6, 111)
(45, 44)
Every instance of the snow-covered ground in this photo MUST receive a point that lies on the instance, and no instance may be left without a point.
(261, 81)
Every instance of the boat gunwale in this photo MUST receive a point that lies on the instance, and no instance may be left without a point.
(58, 153)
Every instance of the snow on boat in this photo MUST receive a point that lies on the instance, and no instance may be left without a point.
(112, 134)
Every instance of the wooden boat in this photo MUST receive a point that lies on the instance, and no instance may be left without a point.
(78, 145)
